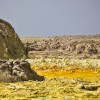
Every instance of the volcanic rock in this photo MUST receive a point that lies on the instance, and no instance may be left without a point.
(10, 44)
(78, 46)
(20, 71)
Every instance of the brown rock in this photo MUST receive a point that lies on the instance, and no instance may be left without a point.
(10, 44)
(19, 72)
(79, 46)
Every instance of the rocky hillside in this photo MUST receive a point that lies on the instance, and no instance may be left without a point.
(10, 44)
(79, 46)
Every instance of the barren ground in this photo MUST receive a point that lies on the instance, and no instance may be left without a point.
(70, 65)
(70, 82)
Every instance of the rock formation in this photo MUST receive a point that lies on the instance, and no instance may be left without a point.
(82, 46)
(10, 44)
(17, 70)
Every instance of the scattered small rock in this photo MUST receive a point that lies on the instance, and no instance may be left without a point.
(80, 86)
(91, 87)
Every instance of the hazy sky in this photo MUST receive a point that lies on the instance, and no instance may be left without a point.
(52, 17)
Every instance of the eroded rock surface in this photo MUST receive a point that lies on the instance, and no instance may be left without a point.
(17, 70)
(10, 44)
(82, 46)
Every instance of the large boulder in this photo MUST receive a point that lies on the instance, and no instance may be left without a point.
(17, 70)
(10, 44)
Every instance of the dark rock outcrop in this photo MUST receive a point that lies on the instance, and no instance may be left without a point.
(15, 70)
(10, 44)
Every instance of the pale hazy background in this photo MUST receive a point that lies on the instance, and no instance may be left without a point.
(52, 17)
